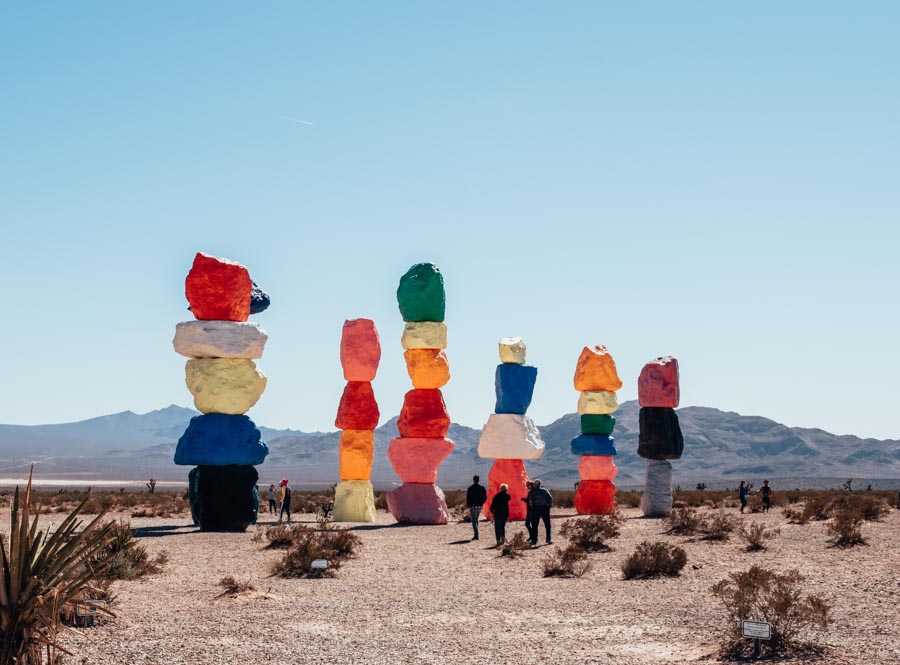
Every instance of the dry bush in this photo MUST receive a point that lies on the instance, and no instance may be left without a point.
(868, 508)
(232, 587)
(817, 509)
(760, 594)
(333, 545)
(513, 547)
(756, 535)
(454, 498)
(754, 503)
(381, 501)
(717, 526)
(794, 516)
(569, 562)
(461, 514)
(591, 533)
(563, 498)
(654, 560)
(629, 498)
(846, 528)
(282, 535)
(684, 521)
(124, 558)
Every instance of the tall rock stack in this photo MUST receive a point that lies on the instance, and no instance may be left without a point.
(424, 421)
(660, 437)
(223, 444)
(357, 416)
(597, 379)
(509, 436)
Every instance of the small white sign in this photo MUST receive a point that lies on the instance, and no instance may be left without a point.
(760, 630)
(322, 564)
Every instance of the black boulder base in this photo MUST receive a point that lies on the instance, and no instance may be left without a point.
(660, 434)
(225, 497)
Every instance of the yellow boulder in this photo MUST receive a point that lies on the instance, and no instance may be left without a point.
(224, 385)
(355, 454)
(424, 335)
(512, 350)
(597, 402)
(354, 501)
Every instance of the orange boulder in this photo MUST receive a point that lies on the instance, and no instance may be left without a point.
(512, 472)
(424, 415)
(358, 408)
(218, 289)
(355, 453)
(596, 370)
(597, 467)
(417, 460)
(595, 497)
(428, 368)
(360, 350)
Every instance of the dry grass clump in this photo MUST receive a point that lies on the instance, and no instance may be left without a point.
(684, 521)
(846, 528)
(756, 535)
(689, 522)
(124, 558)
(569, 562)
(513, 547)
(591, 533)
(760, 594)
(717, 526)
(868, 508)
(232, 587)
(282, 535)
(333, 545)
(654, 560)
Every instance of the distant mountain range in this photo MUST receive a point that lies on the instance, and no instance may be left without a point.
(720, 449)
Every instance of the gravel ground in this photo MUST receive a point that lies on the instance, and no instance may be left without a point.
(427, 594)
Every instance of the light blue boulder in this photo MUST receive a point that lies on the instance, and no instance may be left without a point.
(217, 439)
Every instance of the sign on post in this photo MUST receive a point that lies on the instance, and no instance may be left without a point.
(319, 564)
(760, 630)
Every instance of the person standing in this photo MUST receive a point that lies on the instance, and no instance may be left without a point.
(766, 492)
(540, 501)
(500, 511)
(476, 495)
(285, 501)
(273, 501)
(530, 526)
(743, 490)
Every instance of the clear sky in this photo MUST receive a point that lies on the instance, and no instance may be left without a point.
(717, 181)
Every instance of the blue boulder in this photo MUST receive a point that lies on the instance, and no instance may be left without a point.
(593, 444)
(217, 439)
(259, 299)
(514, 385)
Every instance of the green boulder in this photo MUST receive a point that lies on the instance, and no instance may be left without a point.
(421, 294)
(596, 424)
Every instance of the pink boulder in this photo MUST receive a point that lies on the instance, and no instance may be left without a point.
(424, 414)
(358, 408)
(512, 472)
(658, 383)
(597, 467)
(417, 460)
(218, 289)
(418, 503)
(360, 350)
(595, 497)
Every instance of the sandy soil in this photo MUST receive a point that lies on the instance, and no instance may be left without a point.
(426, 594)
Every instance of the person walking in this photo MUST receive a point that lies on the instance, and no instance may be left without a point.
(530, 526)
(285, 501)
(743, 490)
(766, 492)
(541, 501)
(273, 502)
(500, 512)
(476, 495)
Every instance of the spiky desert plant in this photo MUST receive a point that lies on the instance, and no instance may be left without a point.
(43, 573)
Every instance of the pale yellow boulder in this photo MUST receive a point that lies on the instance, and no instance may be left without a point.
(512, 350)
(424, 335)
(224, 385)
(354, 501)
(597, 402)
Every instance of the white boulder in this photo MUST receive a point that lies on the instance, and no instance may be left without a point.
(219, 339)
(512, 350)
(510, 436)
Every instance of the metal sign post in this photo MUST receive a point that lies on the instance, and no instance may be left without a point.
(757, 630)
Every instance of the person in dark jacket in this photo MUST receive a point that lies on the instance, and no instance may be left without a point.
(529, 514)
(743, 490)
(540, 501)
(500, 512)
(766, 492)
(476, 495)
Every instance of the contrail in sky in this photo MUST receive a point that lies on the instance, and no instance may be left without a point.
(302, 122)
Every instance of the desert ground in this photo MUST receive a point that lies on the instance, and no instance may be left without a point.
(428, 594)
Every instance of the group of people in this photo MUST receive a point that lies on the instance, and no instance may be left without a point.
(765, 491)
(537, 508)
(280, 500)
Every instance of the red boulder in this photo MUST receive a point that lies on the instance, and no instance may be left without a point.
(218, 289)
(512, 472)
(358, 408)
(418, 503)
(417, 460)
(360, 350)
(658, 383)
(424, 415)
(595, 497)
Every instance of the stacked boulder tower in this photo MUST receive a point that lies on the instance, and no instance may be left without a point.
(354, 500)
(423, 424)
(222, 444)
(598, 380)
(509, 436)
(660, 438)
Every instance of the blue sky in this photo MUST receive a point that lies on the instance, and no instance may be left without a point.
(709, 180)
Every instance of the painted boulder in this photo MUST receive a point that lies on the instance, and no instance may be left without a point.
(597, 424)
(656, 500)
(417, 460)
(512, 472)
(424, 415)
(427, 368)
(424, 335)
(596, 370)
(220, 440)
(595, 497)
(218, 289)
(660, 434)
(420, 294)
(514, 386)
(597, 467)
(512, 350)
(597, 402)
(510, 436)
(360, 350)
(259, 299)
(658, 384)
(593, 444)
(224, 385)
(418, 503)
(220, 339)
(225, 498)
(358, 408)
(354, 501)
(355, 453)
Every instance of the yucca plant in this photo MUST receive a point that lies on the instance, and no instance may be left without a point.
(43, 574)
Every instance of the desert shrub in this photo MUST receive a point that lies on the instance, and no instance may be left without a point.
(454, 498)
(569, 562)
(381, 501)
(754, 503)
(125, 558)
(282, 535)
(795, 516)
(461, 514)
(868, 508)
(817, 509)
(684, 521)
(232, 587)
(629, 498)
(760, 594)
(333, 545)
(717, 526)
(654, 560)
(591, 533)
(513, 547)
(846, 528)
(756, 535)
